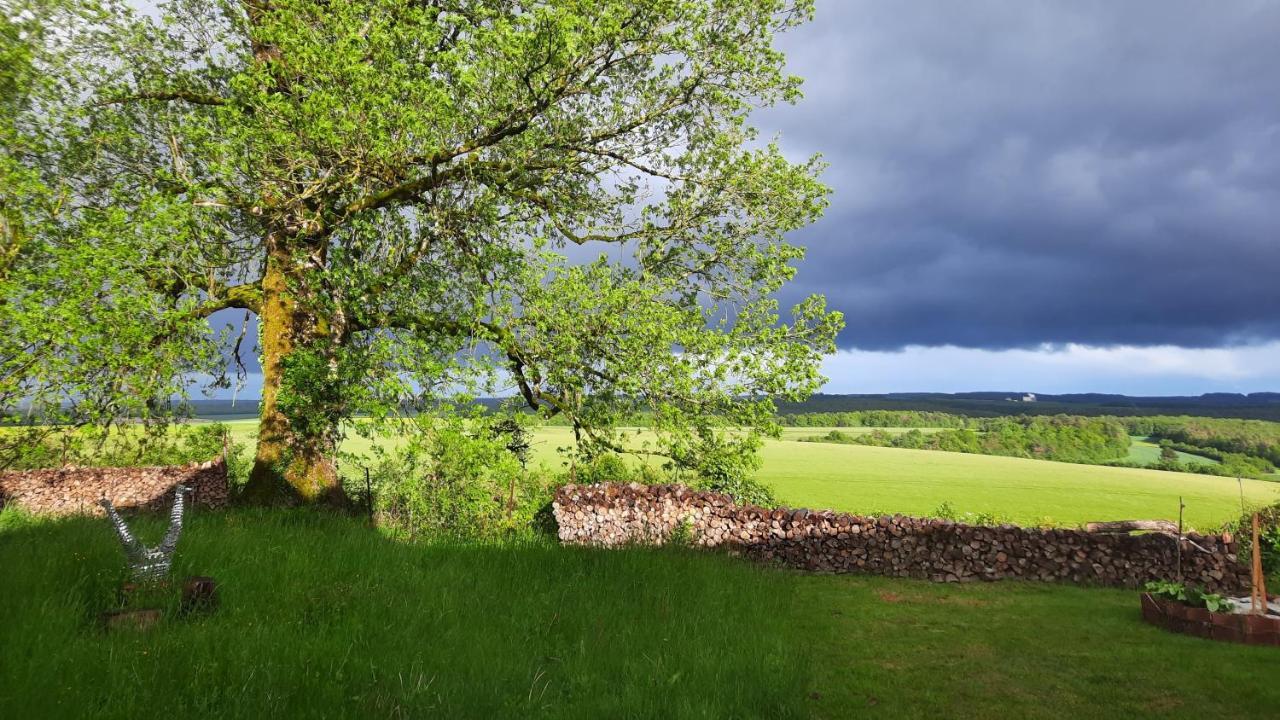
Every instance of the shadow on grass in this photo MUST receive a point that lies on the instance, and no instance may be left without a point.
(323, 616)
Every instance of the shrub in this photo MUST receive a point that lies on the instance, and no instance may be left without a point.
(1269, 540)
(613, 468)
(745, 490)
(946, 511)
(682, 535)
(728, 479)
(457, 477)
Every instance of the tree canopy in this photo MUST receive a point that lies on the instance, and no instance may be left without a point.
(418, 199)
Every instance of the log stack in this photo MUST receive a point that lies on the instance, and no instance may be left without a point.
(897, 546)
(70, 490)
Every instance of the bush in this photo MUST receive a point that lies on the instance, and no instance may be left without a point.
(457, 478)
(946, 511)
(683, 535)
(745, 490)
(612, 468)
(727, 478)
(1269, 539)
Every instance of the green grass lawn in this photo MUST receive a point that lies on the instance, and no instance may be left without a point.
(1142, 450)
(323, 617)
(891, 480)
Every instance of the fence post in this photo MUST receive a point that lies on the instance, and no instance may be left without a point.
(1258, 592)
(1181, 506)
(368, 493)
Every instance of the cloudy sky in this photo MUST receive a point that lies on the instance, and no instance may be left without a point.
(1058, 196)
(1069, 196)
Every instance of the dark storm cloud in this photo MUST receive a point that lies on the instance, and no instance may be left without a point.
(1007, 174)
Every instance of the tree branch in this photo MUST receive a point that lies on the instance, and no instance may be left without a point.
(514, 124)
(404, 191)
(247, 296)
(188, 96)
(503, 337)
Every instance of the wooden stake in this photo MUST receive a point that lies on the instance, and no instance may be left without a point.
(1181, 506)
(1258, 594)
(368, 493)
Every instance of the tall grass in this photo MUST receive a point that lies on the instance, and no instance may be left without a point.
(323, 617)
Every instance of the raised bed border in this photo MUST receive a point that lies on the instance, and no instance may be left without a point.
(1200, 622)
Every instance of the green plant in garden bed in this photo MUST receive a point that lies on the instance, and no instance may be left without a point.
(1189, 595)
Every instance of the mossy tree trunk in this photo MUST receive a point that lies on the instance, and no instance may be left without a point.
(292, 464)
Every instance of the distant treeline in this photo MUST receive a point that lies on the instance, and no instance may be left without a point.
(1260, 406)
(1062, 438)
(1249, 448)
(878, 418)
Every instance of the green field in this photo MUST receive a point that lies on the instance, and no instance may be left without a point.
(322, 616)
(1142, 450)
(890, 480)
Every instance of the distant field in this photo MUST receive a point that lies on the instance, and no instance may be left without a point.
(855, 477)
(1144, 451)
(862, 478)
(872, 479)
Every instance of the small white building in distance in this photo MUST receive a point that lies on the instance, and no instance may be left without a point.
(1029, 397)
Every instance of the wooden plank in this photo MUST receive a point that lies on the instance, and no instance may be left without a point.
(1121, 526)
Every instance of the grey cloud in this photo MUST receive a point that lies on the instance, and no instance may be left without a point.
(1010, 174)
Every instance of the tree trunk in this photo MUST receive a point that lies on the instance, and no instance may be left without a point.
(288, 468)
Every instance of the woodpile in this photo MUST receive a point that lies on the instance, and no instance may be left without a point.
(898, 546)
(70, 490)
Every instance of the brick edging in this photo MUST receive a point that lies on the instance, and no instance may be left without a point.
(1200, 622)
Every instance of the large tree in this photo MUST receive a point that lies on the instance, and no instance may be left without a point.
(420, 198)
